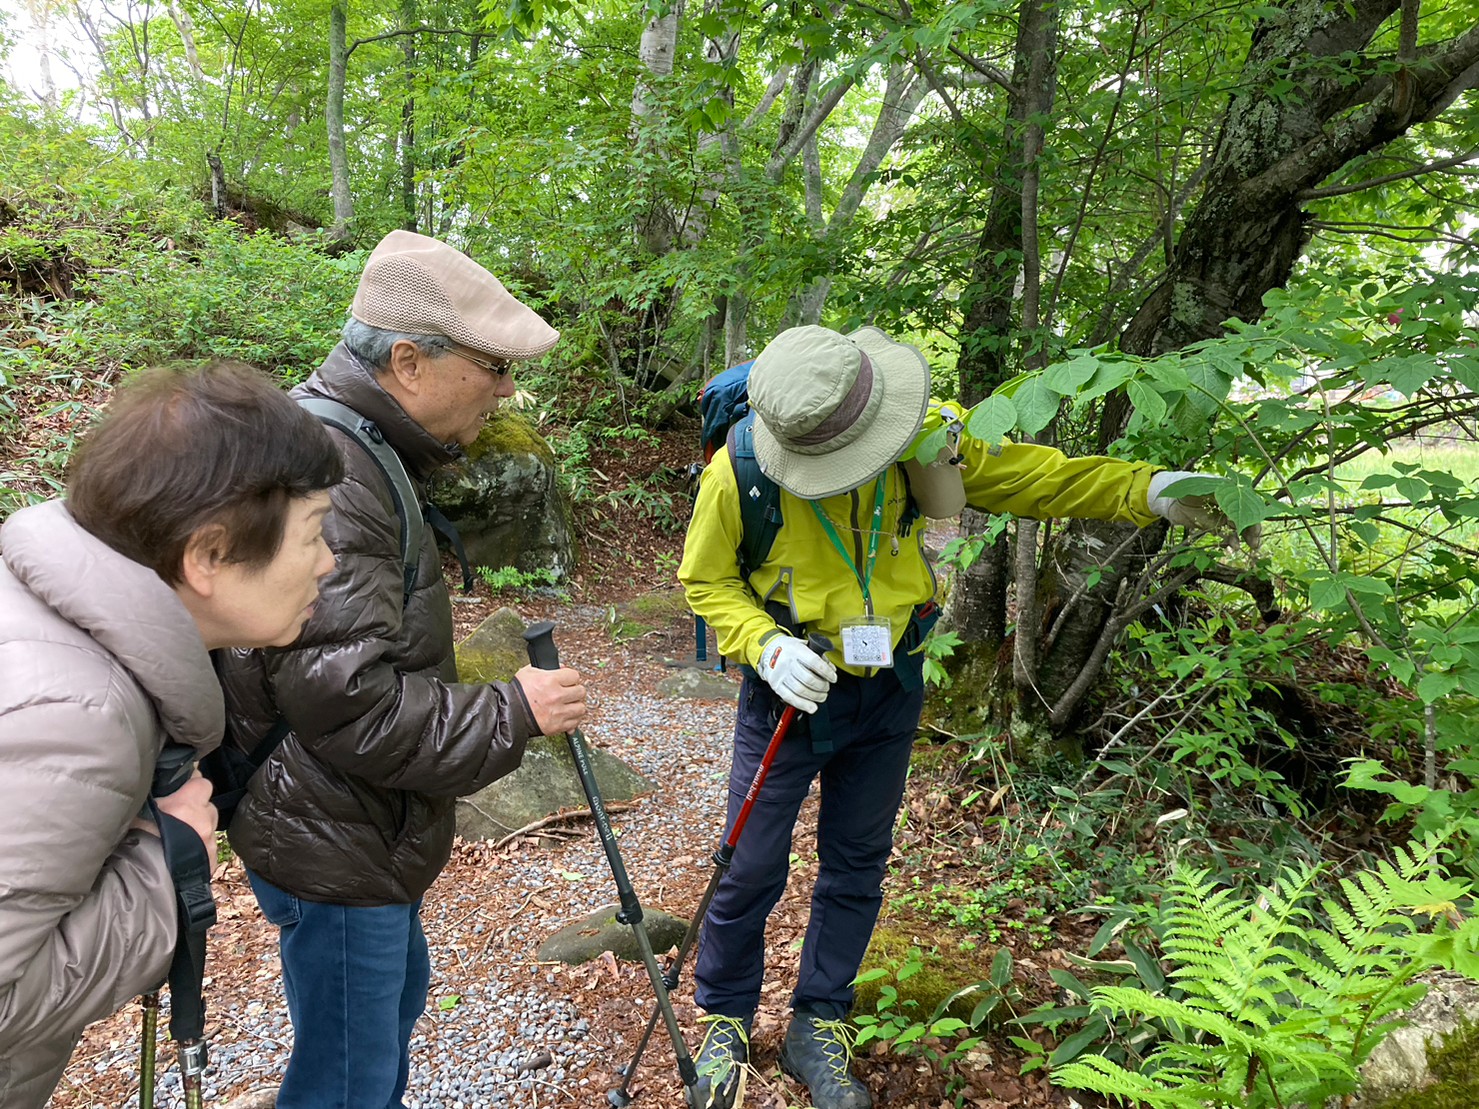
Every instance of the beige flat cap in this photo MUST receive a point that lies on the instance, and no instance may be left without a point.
(421, 286)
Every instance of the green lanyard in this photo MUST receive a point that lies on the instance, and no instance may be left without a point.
(873, 533)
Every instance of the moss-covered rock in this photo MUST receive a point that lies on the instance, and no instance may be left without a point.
(510, 433)
(506, 500)
(1434, 1062)
(946, 970)
(495, 651)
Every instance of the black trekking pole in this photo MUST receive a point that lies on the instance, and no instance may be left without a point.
(190, 870)
(723, 856)
(543, 654)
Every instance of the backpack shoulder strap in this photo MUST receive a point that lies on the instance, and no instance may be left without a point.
(759, 498)
(402, 489)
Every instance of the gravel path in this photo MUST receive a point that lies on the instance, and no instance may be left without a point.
(501, 1029)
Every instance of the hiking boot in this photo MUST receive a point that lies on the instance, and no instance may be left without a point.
(818, 1052)
(722, 1063)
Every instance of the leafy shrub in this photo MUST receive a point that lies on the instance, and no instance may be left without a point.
(511, 577)
(274, 303)
(941, 1039)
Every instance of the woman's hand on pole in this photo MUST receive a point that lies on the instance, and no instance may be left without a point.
(556, 698)
(191, 803)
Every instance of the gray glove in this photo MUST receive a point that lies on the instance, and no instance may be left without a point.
(1197, 511)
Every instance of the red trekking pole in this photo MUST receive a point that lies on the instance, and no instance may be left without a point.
(621, 1096)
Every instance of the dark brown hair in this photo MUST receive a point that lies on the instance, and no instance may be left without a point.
(178, 450)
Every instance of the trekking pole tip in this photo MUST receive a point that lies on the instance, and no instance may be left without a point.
(618, 1098)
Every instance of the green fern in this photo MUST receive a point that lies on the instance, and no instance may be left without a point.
(1278, 1010)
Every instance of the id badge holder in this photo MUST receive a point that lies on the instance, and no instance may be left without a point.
(868, 641)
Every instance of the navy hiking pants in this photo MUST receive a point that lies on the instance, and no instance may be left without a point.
(873, 724)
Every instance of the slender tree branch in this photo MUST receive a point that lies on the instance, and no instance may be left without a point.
(990, 72)
(402, 31)
(1431, 167)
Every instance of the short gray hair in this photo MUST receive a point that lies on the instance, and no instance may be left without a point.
(372, 344)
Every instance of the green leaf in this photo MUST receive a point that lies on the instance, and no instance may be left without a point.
(1109, 376)
(930, 446)
(1242, 503)
(450, 1002)
(1075, 1045)
(1326, 592)
(1036, 405)
(991, 420)
(1149, 405)
(1435, 686)
(1068, 377)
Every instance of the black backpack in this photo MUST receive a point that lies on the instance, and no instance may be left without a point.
(231, 769)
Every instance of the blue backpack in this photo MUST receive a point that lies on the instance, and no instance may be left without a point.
(724, 403)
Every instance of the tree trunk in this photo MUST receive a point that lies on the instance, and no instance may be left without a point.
(334, 119)
(978, 604)
(218, 183)
(656, 224)
(408, 119)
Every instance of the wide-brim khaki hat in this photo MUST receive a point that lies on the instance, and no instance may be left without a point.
(834, 411)
(418, 285)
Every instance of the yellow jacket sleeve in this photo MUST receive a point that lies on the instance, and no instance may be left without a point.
(1043, 483)
(710, 573)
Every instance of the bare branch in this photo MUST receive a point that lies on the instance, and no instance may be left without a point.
(1431, 167)
(990, 72)
(772, 91)
(421, 30)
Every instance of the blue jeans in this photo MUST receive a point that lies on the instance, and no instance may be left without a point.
(356, 980)
(873, 723)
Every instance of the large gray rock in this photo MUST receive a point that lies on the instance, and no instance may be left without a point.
(585, 939)
(1400, 1062)
(506, 502)
(544, 784)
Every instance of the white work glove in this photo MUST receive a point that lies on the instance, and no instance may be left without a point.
(1197, 511)
(799, 676)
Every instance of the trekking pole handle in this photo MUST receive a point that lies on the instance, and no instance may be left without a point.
(173, 768)
(540, 640)
(819, 644)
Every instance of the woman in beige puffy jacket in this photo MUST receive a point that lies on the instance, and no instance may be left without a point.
(192, 521)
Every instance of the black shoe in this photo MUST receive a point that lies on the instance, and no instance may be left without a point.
(722, 1063)
(818, 1052)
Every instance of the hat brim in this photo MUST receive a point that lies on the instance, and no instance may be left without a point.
(906, 392)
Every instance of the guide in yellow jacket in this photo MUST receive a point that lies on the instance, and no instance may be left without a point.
(834, 414)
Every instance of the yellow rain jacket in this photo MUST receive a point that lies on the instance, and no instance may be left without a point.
(805, 572)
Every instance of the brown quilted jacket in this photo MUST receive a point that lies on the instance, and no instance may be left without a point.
(99, 664)
(356, 805)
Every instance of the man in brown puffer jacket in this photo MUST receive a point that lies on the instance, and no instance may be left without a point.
(351, 819)
(109, 602)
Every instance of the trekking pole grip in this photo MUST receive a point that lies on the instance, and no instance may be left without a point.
(540, 639)
(819, 644)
